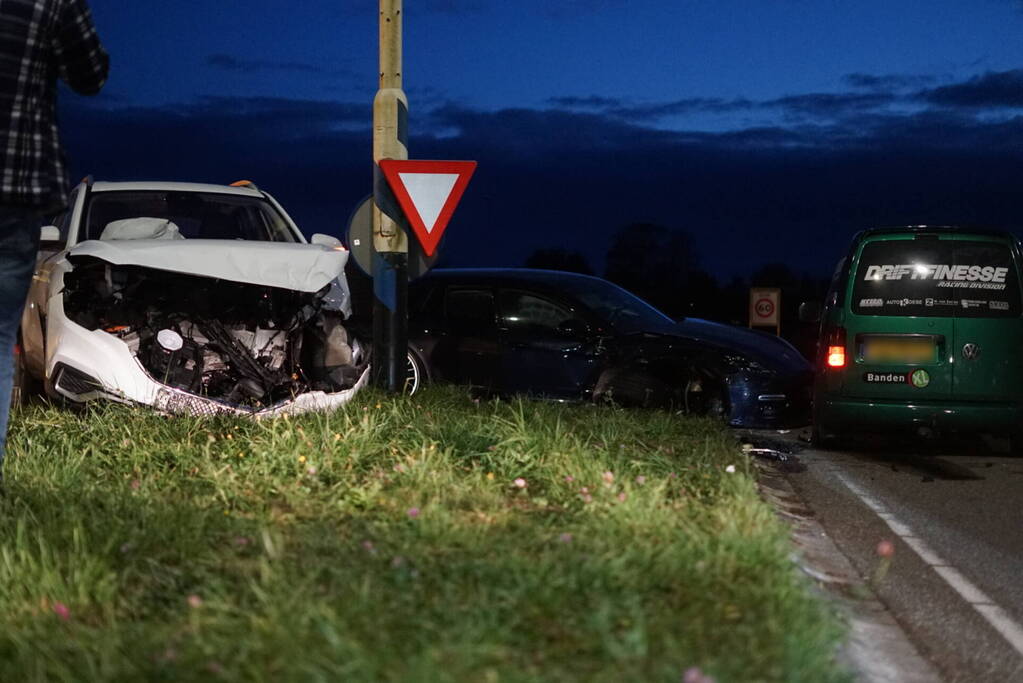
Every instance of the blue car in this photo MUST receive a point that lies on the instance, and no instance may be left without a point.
(565, 336)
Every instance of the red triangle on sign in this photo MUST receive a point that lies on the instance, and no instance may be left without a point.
(428, 192)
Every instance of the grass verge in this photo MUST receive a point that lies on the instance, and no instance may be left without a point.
(427, 539)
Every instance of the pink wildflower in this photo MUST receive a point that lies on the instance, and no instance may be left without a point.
(520, 483)
(609, 477)
(569, 478)
(194, 601)
(368, 545)
(61, 610)
(641, 480)
(695, 675)
(413, 512)
(135, 484)
(622, 497)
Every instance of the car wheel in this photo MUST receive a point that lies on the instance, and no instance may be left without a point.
(823, 438)
(24, 385)
(418, 374)
(706, 397)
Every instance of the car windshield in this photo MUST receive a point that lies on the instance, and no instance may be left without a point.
(621, 309)
(192, 215)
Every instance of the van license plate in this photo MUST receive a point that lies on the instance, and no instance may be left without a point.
(895, 350)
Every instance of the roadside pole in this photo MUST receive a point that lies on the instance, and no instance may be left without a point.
(390, 241)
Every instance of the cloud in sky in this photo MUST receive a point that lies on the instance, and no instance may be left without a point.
(229, 63)
(994, 89)
(827, 105)
(887, 82)
(570, 174)
(881, 95)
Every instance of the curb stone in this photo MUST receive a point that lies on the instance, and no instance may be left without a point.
(877, 650)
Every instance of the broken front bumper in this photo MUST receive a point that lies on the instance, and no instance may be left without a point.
(85, 365)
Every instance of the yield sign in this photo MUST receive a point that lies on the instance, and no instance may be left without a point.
(428, 192)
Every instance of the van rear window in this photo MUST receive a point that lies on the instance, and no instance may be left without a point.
(937, 278)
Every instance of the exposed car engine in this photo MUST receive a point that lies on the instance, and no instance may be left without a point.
(242, 344)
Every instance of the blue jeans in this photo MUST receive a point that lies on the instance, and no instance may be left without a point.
(19, 244)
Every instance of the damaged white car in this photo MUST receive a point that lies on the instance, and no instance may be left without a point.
(193, 299)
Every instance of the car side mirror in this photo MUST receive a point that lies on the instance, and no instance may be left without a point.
(49, 237)
(325, 240)
(810, 312)
(573, 328)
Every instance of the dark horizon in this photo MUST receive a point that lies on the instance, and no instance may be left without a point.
(759, 161)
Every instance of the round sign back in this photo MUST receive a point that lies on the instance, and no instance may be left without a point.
(359, 237)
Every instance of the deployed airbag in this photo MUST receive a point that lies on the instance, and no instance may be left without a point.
(142, 229)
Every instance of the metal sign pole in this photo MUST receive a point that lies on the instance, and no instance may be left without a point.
(390, 241)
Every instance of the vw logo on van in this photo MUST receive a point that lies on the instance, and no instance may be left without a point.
(971, 351)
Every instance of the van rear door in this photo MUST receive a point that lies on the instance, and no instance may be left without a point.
(900, 328)
(988, 349)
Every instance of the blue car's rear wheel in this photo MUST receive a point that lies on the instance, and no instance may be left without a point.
(417, 373)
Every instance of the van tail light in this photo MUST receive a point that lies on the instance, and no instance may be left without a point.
(835, 341)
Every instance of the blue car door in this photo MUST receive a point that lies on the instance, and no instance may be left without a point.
(467, 349)
(546, 349)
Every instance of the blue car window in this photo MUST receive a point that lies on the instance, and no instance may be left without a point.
(469, 311)
(522, 311)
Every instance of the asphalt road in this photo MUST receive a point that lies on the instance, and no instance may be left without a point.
(954, 513)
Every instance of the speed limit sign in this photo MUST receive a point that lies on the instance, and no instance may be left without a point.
(765, 307)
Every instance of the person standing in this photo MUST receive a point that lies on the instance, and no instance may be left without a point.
(41, 41)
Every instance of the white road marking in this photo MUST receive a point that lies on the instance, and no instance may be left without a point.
(963, 586)
(998, 618)
(923, 550)
(985, 606)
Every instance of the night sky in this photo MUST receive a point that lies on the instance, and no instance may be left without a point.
(770, 131)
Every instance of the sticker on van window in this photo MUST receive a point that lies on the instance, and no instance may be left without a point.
(927, 271)
(904, 302)
(937, 278)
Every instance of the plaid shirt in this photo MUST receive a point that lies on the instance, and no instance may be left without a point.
(41, 40)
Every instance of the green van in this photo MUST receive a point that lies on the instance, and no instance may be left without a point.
(921, 331)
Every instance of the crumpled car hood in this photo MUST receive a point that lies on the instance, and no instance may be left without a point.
(301, 267)
(767, 349)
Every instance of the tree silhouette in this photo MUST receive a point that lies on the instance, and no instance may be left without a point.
(655, 262)
(559, 259)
